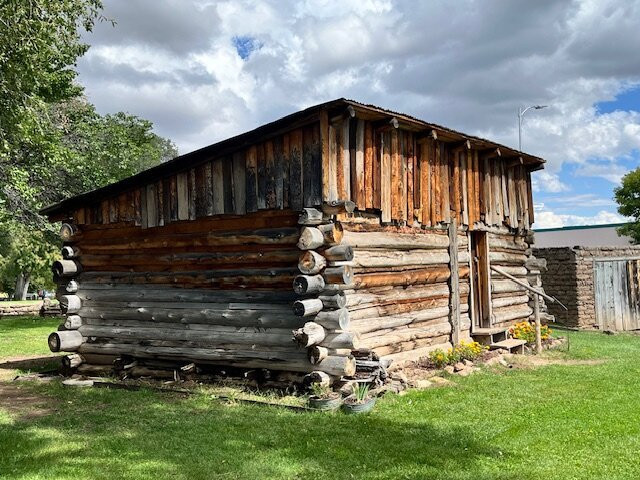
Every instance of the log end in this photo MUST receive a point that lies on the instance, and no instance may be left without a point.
(54, 342)
(67, 232)
(298, 308)
(300, 284)
(308, 284)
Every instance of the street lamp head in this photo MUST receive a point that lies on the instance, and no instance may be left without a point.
(521, 113)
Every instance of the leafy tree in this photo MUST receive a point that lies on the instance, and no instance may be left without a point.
(79, 150)
(628, 198)
(27, 260)
(53, 143)
(39, 47)
(104, 149)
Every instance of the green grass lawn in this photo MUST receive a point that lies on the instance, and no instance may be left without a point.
(25, 335)
(567, 421)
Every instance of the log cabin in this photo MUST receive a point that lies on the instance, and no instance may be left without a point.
(331, 242)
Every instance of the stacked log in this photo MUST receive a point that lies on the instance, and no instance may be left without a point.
(211, 292)
(399, 301)
(68, 338)
(325, 265)
(509, 301)
(207, 291)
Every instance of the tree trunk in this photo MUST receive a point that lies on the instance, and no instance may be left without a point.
(22, 286)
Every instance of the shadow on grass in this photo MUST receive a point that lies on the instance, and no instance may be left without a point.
(113, 434)
(32, 364)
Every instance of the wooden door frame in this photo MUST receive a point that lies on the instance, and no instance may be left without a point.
(480, 295)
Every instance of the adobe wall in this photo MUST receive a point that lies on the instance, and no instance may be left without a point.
(569, 277)
(560, 281)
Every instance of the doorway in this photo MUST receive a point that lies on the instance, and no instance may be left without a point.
(480, 302)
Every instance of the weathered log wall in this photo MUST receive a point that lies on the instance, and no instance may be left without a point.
(219, 291)
(229, 256)
(208, 291)
(399, 302)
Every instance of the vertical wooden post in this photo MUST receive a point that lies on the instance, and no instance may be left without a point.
(326, 159)
(536, 313)
(454, 283)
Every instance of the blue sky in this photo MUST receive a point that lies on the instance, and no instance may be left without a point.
(244, 45)
(587, 193)
(625, 101)
(205, 70)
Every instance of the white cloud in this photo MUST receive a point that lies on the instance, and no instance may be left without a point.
(547, 182)
(546, 218)
(467, 66)
(609, 171)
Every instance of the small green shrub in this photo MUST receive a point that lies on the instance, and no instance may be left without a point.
(320, 390)
(463, 351)
(438, 358)
(360, 392)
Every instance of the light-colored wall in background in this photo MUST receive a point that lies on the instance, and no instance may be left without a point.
(588, 236)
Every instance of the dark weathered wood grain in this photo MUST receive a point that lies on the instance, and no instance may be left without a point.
(252, 179)
(270, 175)
(239, 183)
(279, 164)
(295, 170)
(262, 176)
(227, 184)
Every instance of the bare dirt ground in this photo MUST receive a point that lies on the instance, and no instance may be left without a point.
(22, 403)
(17, 398)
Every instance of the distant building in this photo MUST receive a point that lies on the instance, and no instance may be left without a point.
(583, 235)
(595, 273)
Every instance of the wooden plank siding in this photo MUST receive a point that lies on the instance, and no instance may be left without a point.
(404, 177)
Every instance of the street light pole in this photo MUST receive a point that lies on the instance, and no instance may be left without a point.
(521, 113)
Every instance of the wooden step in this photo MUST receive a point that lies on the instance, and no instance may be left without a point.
(512, 345)
(489, 336)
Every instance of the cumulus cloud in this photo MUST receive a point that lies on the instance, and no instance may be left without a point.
(467, 65)
(548, 182)
(548, 219)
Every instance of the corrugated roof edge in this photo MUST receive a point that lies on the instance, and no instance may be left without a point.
(190, 159)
